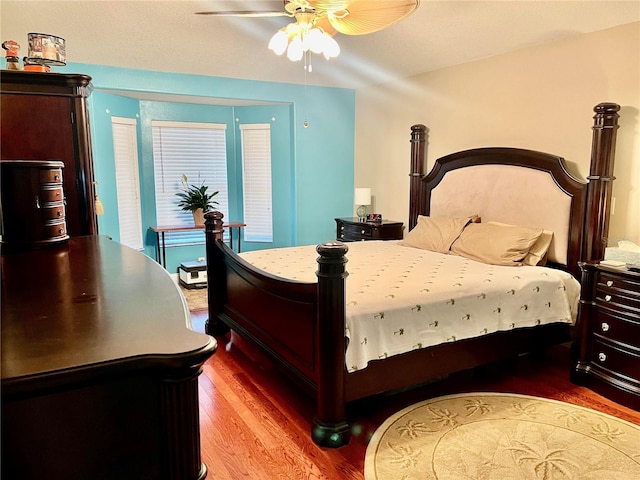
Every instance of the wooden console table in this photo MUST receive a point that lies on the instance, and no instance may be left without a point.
(161, 253)
(99, 366)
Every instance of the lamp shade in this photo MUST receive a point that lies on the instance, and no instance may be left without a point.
(362, 196)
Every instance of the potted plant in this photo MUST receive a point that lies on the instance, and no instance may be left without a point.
(196, 198)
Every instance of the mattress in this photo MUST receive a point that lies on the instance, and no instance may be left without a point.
(400, 298)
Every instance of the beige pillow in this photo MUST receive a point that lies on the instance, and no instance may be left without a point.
(537, 254)
(435, 233)
(496, 244)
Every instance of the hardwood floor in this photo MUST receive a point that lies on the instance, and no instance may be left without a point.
(256, 425)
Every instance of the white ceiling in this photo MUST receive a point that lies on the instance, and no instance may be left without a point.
(168, 36)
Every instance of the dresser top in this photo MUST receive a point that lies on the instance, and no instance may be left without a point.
(91, 304)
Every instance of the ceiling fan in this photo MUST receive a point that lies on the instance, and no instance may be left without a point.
(317, 21)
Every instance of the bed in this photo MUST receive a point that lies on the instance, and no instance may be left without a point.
(304, 324)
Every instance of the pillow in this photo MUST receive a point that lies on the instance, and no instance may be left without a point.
(537, 254)
(435, 233)
(496, 244)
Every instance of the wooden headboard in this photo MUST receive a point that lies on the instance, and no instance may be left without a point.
(524, 187)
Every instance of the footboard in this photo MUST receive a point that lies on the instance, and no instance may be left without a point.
(300, 325)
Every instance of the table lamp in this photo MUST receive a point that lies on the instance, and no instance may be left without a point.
(362, 199)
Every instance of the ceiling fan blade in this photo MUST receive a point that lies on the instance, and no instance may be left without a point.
(361, 17)
(246, 13)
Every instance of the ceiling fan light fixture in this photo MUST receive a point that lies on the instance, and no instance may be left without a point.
(295, 49)
(279, 42)
(314, 40)
(331, 48)
(297, 39)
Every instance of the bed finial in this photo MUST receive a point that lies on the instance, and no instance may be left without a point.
(416, 186)
(603, 148)
(213, 223)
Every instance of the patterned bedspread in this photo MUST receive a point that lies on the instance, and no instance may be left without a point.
(402, 298)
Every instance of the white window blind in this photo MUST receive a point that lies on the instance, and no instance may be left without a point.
(125, 151)
(256, 182)
(197, 150)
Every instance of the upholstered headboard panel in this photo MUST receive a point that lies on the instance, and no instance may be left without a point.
(515, 186)
(508, 194)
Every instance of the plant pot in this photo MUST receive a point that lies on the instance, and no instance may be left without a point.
(198, 217)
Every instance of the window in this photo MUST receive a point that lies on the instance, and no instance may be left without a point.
(125, 152)
(197, 150)
(256, 182)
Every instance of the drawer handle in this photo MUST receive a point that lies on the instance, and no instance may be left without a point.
(342, 235)
(59, 213)
(609, 283)
(37, 201)
(56, 177)
(362, 232)
(61, 230)
(602, 357)
(605, 327)
(607, 298)
(341, 227)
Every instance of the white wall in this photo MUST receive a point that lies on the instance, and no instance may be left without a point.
(540, 98)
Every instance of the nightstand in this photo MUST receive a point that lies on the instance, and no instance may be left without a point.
(353, 230)
(607, 348)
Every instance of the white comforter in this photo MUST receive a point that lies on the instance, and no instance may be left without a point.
(402, 298)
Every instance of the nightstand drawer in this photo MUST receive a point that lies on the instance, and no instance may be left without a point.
(608, 281)
(357, 232)
(611, 325)
(622, 362)
(618, 298)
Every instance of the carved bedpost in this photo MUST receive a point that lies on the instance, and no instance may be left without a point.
(216, 271)
(330, 428)
(416, 186)
(600, 178)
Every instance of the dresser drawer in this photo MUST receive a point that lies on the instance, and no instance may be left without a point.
(50, 194)
(53, 230)
(53, 212)
(616, 359)
(51, 175)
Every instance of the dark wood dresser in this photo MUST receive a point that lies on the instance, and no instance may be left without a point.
(43, 116)
(607, 348)
(99, 366)
(353, 230)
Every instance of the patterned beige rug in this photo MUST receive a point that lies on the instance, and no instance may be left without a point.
(196, 298)
(495, 436)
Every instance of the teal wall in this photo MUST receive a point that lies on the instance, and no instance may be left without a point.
(313, 167)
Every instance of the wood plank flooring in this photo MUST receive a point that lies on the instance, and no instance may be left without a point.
(255, 424)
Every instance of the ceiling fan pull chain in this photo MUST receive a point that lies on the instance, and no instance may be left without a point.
(307, 54)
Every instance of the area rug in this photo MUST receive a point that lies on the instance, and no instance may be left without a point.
(496, 436)
(196, 298)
